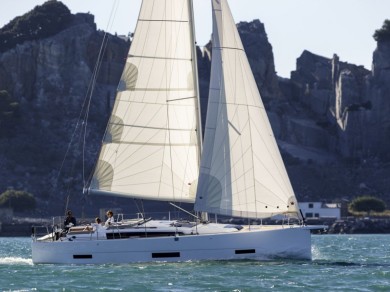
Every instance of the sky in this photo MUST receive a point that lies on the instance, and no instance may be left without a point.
(323, 27)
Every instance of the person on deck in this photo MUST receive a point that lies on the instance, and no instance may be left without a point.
(69, 220)
(110, 218)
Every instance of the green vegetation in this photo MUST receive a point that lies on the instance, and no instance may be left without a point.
(383, 34)
(367, 204)
(41, 22)
(18, 200)
(9, 111)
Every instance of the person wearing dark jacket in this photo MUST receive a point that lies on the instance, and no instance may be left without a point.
(69, 220)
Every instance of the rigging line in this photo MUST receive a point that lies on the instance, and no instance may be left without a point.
(136, 205)
(86, 115)
(94, 78)
(143, 215)
(94, 81)
(76, 127)
(90, 88)
(79, 122)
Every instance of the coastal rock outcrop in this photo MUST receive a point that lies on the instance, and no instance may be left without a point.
(331, 118)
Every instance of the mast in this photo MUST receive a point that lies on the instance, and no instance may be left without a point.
(196, 77)
(204, 215)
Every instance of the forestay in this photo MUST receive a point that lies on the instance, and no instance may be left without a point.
(151, 146)
(242, 173)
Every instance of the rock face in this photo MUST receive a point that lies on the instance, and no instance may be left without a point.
(348, 102)
(379, 93)
(261, 58)
(331, 118)
(50, 78)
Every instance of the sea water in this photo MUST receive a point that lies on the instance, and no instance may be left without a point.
(340, 263)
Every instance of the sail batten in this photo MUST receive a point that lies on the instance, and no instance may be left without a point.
(241, 173)
(151, 146)
(159, 58)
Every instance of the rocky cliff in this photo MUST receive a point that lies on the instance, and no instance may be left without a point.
(331, 118)
(51, 79)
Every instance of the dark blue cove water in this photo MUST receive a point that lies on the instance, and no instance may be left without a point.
(340, 262)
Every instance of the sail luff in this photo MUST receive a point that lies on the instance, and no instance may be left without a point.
(151, 147)
(196, 79)
(242, 173)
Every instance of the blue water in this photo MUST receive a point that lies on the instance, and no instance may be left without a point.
(340, 263)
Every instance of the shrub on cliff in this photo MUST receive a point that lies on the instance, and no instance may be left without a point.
(367, 204)
(383, 34)
(41, 22)
(18, 200)
(9, 110)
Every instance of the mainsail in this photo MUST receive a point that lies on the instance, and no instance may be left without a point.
(241, 173)
(151, 146)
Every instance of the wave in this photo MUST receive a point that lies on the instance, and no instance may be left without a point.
(15, 261)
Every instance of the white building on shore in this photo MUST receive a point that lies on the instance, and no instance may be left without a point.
(320, 210)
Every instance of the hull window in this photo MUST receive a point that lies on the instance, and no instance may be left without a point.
(82, 256)
(156, 255)
(244, 251)
(140, 234)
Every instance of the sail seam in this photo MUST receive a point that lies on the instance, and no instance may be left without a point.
(238, 104)
(158, 103)
(153, 128)
(159, 89)
(162, 20)
(158, 58)
(183, 98)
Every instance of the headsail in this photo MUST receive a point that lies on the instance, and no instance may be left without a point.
(151, 147)
(242, 172)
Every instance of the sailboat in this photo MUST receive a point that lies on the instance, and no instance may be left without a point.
(153, 150)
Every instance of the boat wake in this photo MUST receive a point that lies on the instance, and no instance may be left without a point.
(15, 261)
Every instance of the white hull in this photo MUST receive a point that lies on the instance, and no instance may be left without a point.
(258, 244)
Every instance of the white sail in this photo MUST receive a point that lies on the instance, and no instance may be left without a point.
(242, 173)
(151, 147)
